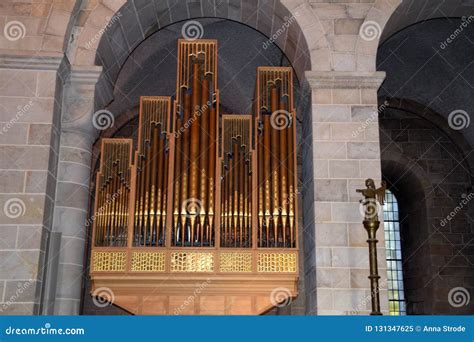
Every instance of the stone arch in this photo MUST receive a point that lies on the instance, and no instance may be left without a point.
(427, 113)
(104, 41)
(371, 32)
(411, 12)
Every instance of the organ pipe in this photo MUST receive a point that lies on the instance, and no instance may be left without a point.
(112, 193)
(180, 153)
(276, 158)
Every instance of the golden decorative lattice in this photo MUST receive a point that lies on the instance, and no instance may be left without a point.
(192, 262)
(276, 262)
(148, 262)
(235, 262)
(109, 261)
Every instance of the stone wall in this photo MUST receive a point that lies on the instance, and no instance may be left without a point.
(29, 145)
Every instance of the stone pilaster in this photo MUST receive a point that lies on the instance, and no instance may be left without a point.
(72, 195)
(345, 151)
(29, 136)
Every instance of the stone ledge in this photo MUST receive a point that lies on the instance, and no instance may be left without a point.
(29, 62)
(344, 80)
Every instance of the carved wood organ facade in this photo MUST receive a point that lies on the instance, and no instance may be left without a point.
(206, 206)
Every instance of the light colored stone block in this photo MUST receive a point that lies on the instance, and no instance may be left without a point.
(321, 131)
(346, 212)
(332, 278)
(18, 291)
(322, 96)
(19, 264)
(346, 96)
(366, 114)
(329, 190)
(23, 109)
(8, 236)
(350, 299)
(72, 195)
(347, 132)
(68, 285)
(323, 257)
(24, 157)
(344, 169)
(357, 235)
(329, 150)
(324, 298)
(40, 134)
(368, 96)
(322, 211)
(370, 169)
(363, 150)
(72, 251)
(11, 181)
(72, 172)
(343, 43)
(344, 62)
(35, 181)
(331, 234)
(321, 169)
(30, 237)
(347, 26)
(13, 133)
(330, 113)
(350, 257)
(17, 83)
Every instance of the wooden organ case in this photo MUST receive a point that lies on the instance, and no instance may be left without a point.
(201, 218)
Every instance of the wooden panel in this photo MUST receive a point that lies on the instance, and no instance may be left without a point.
(212, 305)
(239, 305)
(181, 305)
(155, 305)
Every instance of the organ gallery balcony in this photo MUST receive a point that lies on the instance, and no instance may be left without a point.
(202, 217)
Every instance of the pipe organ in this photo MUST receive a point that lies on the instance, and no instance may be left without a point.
(207, 199)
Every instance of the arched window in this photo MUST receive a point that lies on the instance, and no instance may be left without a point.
(396, 295)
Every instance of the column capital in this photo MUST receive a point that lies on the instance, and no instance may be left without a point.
(344, 79)
(84, 75)
(78, 103)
